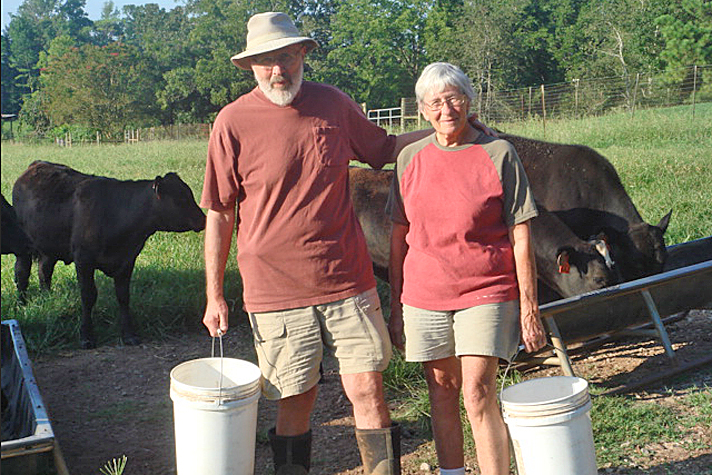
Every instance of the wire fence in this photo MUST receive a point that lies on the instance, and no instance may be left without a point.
(578, 98)
(574, 99)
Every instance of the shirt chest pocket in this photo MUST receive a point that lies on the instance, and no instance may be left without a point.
(330, 146)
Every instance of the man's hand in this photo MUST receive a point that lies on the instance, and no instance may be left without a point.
(215, 318)
(480, 126)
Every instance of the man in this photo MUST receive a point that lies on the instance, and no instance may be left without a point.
(277, 169)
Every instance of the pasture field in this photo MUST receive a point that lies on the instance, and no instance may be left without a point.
(664, 158)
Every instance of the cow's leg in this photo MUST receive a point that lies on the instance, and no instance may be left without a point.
(45, 271)
(121, 285)
(23, 266)
(85, 276)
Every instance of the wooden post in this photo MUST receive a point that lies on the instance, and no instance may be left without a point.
(635, 93)
(576, 95)
(402, 119)
(543, 106)
(694, 89)
(530, 101)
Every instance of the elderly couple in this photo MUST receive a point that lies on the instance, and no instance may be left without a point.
(462, 270)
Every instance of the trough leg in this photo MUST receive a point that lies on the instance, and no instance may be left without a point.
(559, 346)
(650, 303)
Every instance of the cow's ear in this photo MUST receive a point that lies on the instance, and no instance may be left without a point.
(663, 224)
(562, 260)
(156, 186)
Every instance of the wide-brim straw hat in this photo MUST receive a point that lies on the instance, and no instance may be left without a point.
(267, 32)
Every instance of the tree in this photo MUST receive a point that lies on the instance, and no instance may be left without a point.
(378, 49)
(688, 35)
(106, 88)
(10, 93)
(31, 31)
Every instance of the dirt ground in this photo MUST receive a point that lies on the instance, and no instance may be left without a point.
(114, 401)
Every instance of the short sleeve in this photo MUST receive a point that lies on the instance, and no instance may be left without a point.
(221, 185)
(372, 144)
(394, 205)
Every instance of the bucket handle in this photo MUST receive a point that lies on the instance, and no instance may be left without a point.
(212, 354)
(520, 348)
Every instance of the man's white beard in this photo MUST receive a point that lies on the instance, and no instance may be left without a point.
(282, 97)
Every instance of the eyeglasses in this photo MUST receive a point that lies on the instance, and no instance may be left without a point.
(286, 59)
(452, 101)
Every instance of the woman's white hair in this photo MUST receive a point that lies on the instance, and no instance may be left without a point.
(436, 77)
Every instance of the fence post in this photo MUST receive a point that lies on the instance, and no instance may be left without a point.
(402, 119)
(530, 101)
(635, 94)
(576, 94)
(543, 106)
(694, 88)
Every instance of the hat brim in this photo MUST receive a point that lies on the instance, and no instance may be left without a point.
(242, 60)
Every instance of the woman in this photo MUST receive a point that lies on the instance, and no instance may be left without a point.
(462, 266)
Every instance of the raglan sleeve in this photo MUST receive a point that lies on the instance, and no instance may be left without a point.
(519, 205)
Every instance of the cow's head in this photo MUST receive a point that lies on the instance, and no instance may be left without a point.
(14, 240)
(641, 251)
(582, 269)
(176, 206)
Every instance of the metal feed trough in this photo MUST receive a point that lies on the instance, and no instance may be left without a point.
(685, 283)
(28, 442)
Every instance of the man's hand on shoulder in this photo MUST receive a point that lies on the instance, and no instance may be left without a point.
(480, 126)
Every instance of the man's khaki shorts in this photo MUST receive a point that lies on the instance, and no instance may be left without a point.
(290, 343)
(484, 330)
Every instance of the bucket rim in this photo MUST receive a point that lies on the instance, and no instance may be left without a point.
(576, 399)
(247, 388)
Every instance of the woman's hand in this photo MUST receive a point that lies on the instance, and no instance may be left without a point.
(533, 334)
(395, 326)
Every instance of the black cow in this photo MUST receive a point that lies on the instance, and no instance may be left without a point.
(554, 243)
(97, 223)
(14, 239)
(582, 188)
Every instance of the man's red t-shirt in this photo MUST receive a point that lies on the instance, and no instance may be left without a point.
(286, 169)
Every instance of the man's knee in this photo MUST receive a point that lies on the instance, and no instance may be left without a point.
(366, 386)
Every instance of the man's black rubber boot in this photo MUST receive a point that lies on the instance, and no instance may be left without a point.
(292, 454)
(380, 450)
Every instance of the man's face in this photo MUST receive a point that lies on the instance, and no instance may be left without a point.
(279, 73)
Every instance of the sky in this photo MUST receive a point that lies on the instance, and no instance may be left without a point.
(93, 7)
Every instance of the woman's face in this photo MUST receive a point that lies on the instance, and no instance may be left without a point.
(447, 113)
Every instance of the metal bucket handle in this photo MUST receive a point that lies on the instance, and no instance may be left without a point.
(212, 354)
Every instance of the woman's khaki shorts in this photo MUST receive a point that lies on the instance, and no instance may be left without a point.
(290, 343)
(485, 330)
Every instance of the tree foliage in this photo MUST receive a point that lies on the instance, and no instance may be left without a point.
(143, 65)
(103, 87)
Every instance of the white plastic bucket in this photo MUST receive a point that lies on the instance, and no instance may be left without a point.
(549, 424)
(215, 426)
